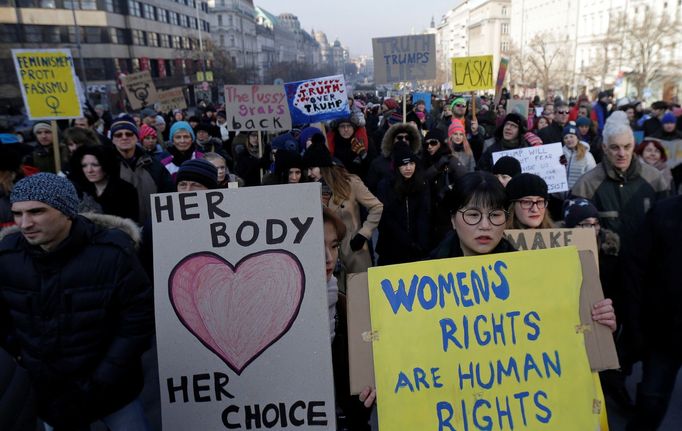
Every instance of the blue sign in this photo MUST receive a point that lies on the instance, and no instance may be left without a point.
(426, 97)
(317, 99)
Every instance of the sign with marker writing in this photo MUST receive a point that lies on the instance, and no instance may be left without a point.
(485, 342)
(242, 322)
(48, 83)
(172, 99)
(472, 73)
(404, 58)
(317, 99)
(140, 89)
(257, 107)
(542, 160)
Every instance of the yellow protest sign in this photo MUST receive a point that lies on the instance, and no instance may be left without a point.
(485, 342)
(48, 83)
(472, 73)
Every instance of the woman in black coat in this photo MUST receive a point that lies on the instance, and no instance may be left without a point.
(404, 225)
(94, 172)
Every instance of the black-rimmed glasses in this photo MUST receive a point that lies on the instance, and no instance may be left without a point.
(527, 204)
(473, 216)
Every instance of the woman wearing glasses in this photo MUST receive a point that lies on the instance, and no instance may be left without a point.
(528, 200)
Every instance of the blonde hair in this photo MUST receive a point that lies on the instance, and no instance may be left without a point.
(338, 180)
(465, 145)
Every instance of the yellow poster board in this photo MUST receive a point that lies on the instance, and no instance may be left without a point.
(472, 73)
(485, 342)
(48, 83)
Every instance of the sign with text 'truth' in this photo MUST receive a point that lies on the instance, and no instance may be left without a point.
(404, 58)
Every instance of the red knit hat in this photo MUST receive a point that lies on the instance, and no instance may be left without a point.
(455, 126)
(146, 130)
(391, 103)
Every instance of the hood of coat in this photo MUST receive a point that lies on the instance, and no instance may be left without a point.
(389, 136)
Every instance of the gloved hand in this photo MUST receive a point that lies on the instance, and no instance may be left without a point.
(357, 242)
(563, 160)
(443, 161)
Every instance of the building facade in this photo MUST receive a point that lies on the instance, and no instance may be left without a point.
(235, 30)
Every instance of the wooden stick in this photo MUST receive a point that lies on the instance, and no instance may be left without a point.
(404, 104)
(473, 106)
(55, 148)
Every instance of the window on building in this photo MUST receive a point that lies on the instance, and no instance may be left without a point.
(51, 4)
(53, 34)
(93, 35)
(173, 17)
(176, 42)
(164, 41)
(152, 39)
(149, 11)
(8, 33)
(134, 8)
(95, 69)
(193, 23)
(33, 33)
(138, 37)
(229, 20)
(505, 28)
(115, 6)
(504, 47)
(232, 42)
(161, 14)
(504, 10)
(222, 40)
(183, 21)
(220, 19)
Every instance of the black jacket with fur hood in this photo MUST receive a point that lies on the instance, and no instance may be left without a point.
(381, 166)
(79, 318)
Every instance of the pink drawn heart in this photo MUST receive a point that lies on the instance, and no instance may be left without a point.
(238, 311)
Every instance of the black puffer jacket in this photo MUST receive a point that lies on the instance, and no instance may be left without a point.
(79, 317)
(16, 397)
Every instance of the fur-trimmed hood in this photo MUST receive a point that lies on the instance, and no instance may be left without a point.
(389, 136)
(103, 220)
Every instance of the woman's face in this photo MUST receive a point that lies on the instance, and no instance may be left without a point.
(571, 141)
(651, 154)
(179, 116)
(482, 236)
(44, 137)
(295, 175)
(457, 138)
(510, 131)
(149, 143)
(447, 112)
(92, 169)
(542, 123)
(529, 212)
(72, 146)
(314, 174)
(584, 130)
(182, 140)
(591, 222)
(331, 248)
(582, 111)
(407, 170)
(221, 167)
(346, 130)
(432, 146)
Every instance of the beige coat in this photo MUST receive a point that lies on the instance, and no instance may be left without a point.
(349, 212)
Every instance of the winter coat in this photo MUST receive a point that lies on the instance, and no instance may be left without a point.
(404, 226)
(349, 212)
(248, 166)
(175, 158)
(382, 166)
(43, 157)
(341, 150)
(119, 198)
(621, 198)
(552, 133)
(81, 315)
(576, 168)
(595, 142)
(485, 163)
(6, 216)
(17, 411)
(652, 126)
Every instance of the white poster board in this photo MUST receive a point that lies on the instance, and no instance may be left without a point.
(257, 108)
(542, 160)
(242, 323)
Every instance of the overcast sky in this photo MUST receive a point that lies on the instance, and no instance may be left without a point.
(356, 22)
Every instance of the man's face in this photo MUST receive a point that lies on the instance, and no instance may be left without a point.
(190, 186)
(459, 109)
(630, 112)
(44, 137)
(402, 137)
(41, 224)
(346, 130)
(81, 123)
(619, 151)
(561, 115)
(202, 135)
(510, 131)
(124, 141)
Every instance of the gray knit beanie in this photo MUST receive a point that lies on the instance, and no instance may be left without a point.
(50, 189)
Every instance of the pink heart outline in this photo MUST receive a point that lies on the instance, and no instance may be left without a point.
(196, 324)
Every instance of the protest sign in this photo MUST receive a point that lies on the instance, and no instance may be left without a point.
(484, 342)
(426, 97)
(171, 99)
(518, 106)
(542, 160)
(140, 89)
(673, 149)
(242, 322)
(472, 73)
(257, 107)
(404, 58)
(48, 83)
(317, 99)
(501, 73)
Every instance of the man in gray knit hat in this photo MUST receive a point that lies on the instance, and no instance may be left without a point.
(75, 309)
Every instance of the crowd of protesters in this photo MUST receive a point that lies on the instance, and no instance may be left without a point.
(388, 180)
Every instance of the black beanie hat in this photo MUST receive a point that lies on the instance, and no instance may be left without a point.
(526, 185)
(402, 154)
(577, 210)
(9, 159)
(507, 166)
(435, 134)
(285, 160)
(198, 170)
(317, 156)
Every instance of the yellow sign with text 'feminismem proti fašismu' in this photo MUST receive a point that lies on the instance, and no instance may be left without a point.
(482, 343)
(48, 83)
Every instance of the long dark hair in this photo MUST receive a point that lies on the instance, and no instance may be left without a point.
(479, 189)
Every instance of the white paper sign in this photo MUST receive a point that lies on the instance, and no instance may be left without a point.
(543, 161)
(242, 322)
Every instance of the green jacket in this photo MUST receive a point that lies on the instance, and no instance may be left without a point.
(43, 158)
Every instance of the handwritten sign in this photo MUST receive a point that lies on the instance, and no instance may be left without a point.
(48, 83)
(404, 58)
(485, 342)
(171, 99)
(543, 161)
(242, 324)
(140, 89)
(257, 107)
(317, 99)
(472, 73)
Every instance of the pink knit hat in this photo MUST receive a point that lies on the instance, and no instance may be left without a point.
(146, 130)
(455, 126)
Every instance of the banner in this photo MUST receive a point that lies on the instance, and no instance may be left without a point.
(404, 58)
(317, 99)
(242, 323)
(486, 342)
(140, 89)
(257, 107)
(472, 73)
(542, 160)
(171, 99)
(48, 83)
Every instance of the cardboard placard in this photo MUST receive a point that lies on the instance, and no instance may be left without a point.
(426, 97)
(257, 107)
(171, 99)
(459, 340)
(540, 239)
(242, 323)
(673, 149)
(518, 106)
(359, 333)
(317, 99)
(140, 89)
(404, 58)
(48, 82)
(472, 73)
(541, 160)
